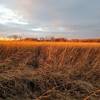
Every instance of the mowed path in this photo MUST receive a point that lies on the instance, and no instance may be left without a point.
(35, 43)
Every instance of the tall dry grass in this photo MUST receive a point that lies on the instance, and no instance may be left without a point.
(50, 72)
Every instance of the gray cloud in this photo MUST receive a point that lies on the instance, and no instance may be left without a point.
(66, 18)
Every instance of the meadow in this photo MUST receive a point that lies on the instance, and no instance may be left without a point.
(49, 70)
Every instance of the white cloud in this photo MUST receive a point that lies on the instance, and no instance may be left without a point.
(52, 29)
(37, 29)
(9, 16)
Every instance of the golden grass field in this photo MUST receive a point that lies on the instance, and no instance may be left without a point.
(49, 70)
(44, 43)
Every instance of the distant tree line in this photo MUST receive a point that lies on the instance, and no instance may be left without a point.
(62, 40)
(16, 37)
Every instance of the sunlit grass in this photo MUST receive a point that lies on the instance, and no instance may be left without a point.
(49, 70)
(44, 43)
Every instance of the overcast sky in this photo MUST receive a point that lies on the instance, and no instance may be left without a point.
(45, 18)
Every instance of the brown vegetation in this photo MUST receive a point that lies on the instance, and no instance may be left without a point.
(69, 71)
